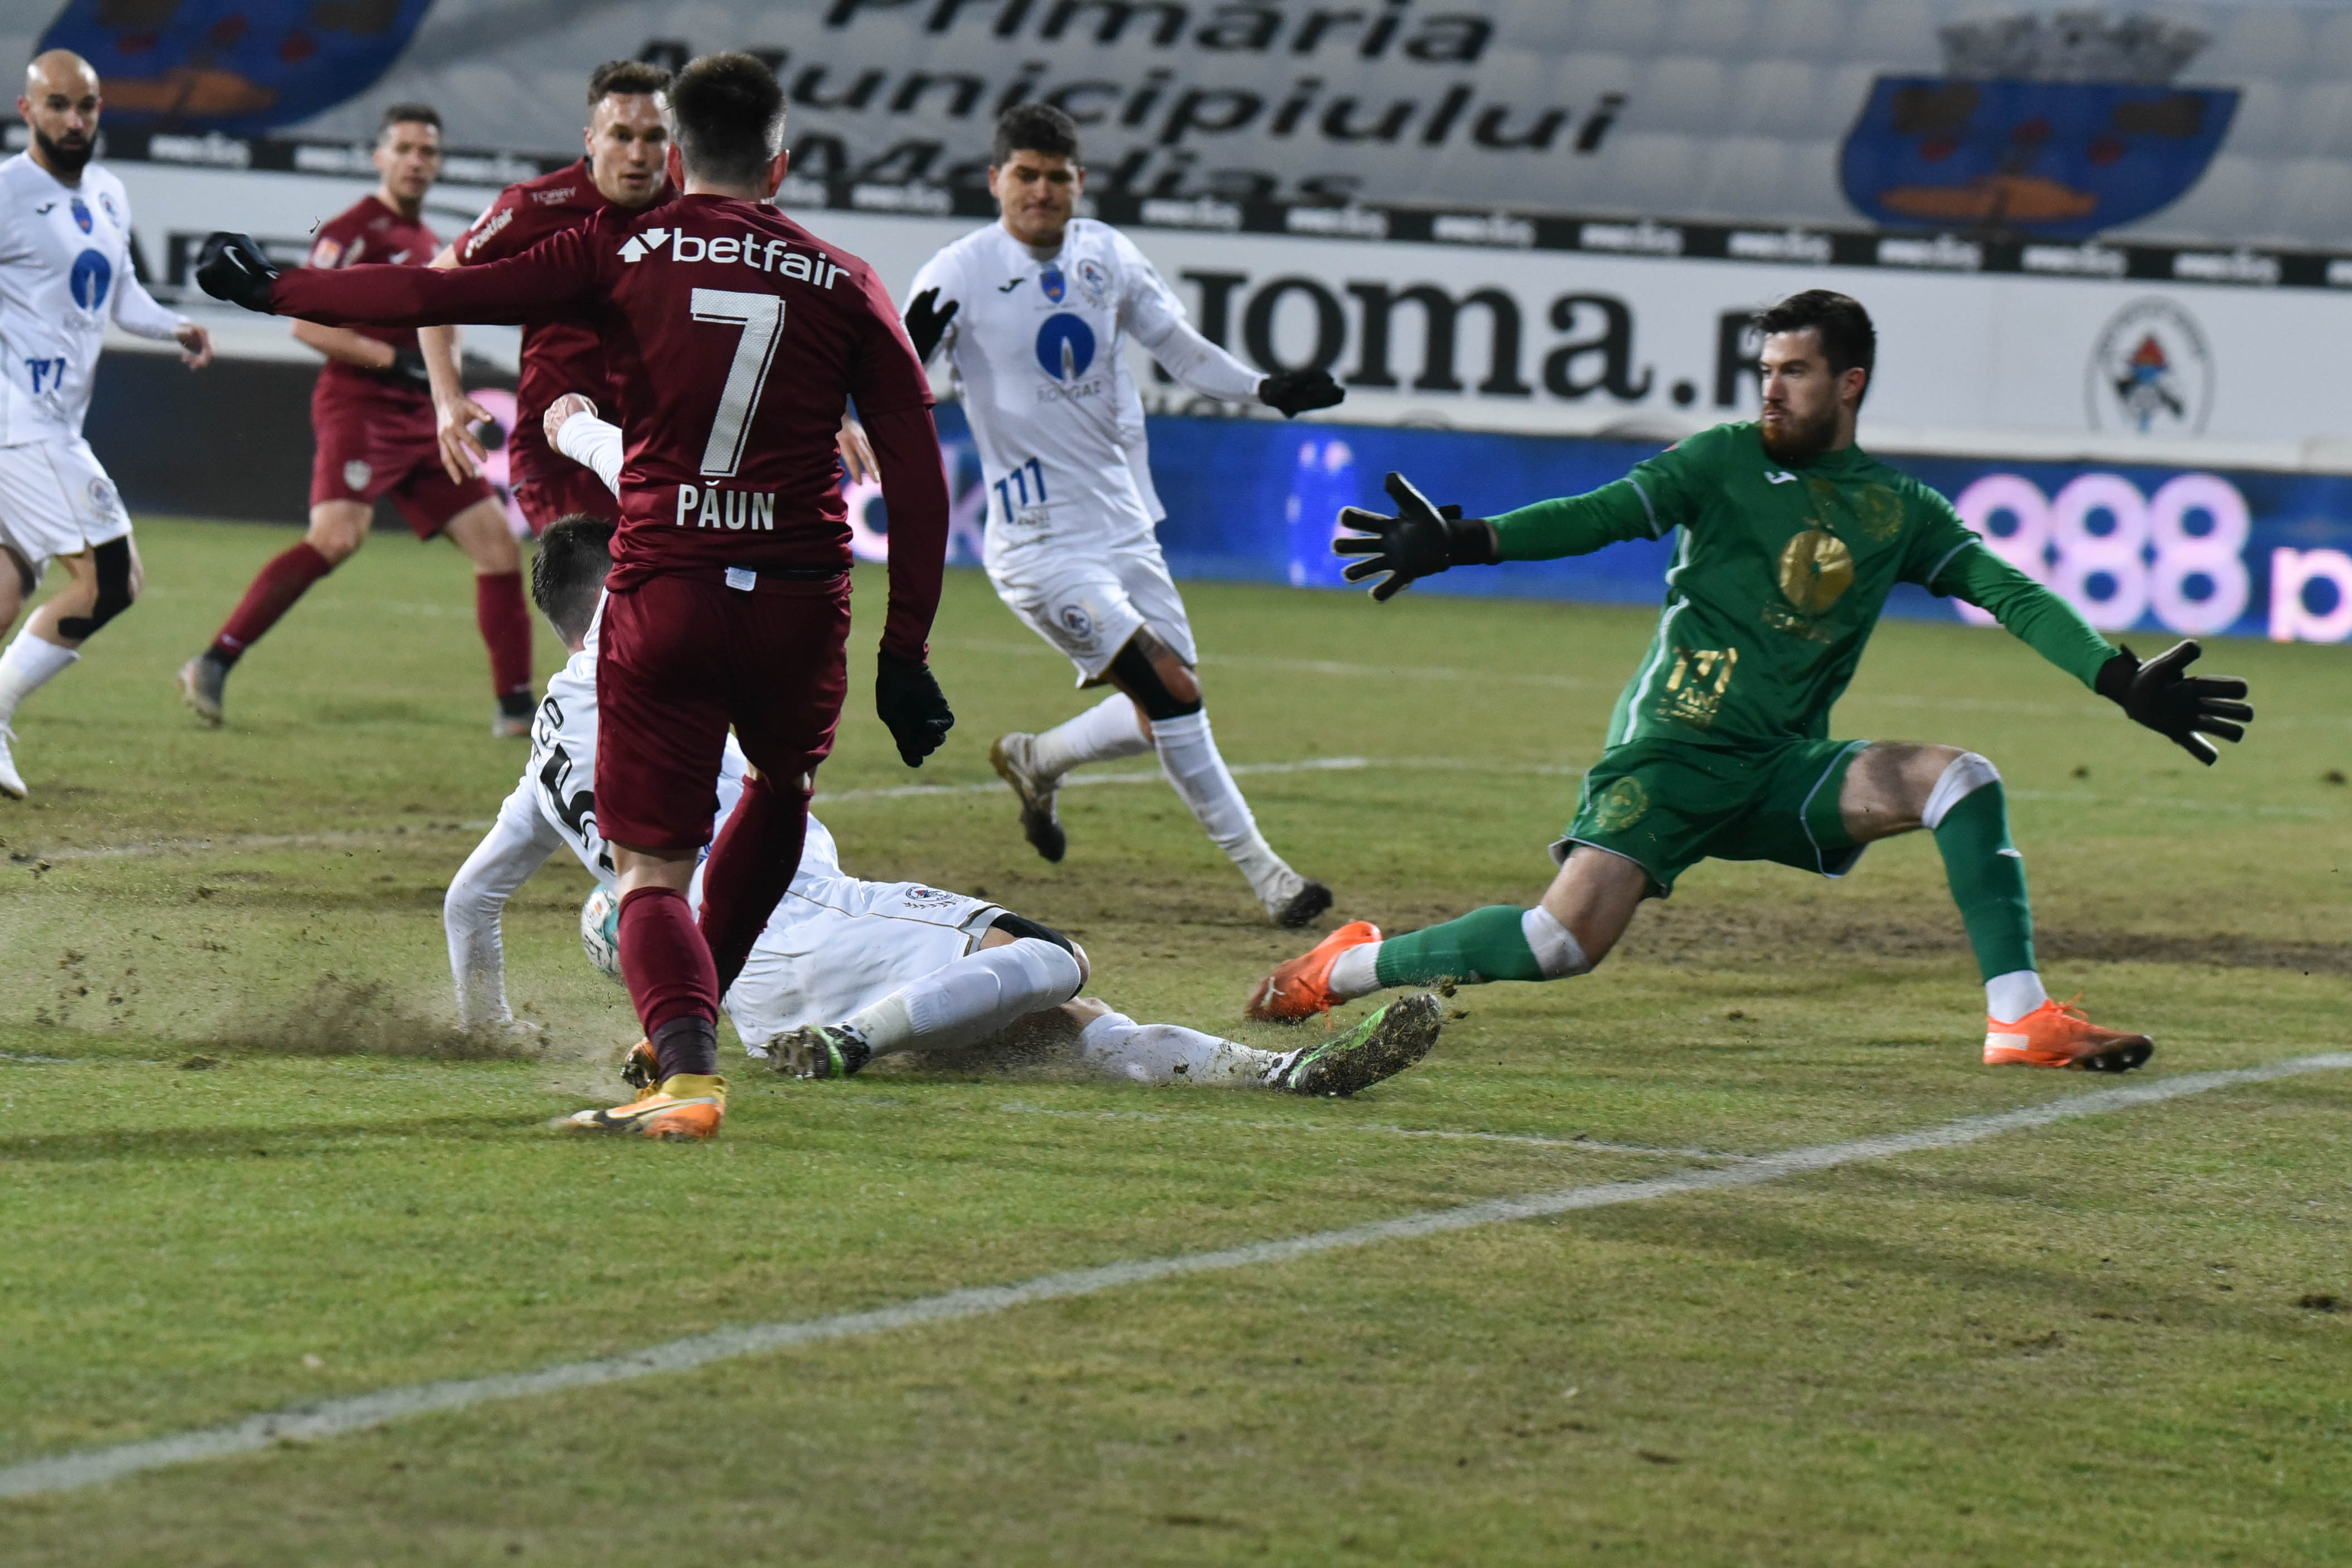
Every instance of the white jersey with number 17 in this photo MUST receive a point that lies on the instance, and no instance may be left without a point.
(65, 272)
(1039, 348)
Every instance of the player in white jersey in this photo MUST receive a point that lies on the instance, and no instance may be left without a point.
(1033, 311)
(846, 970)
(65, 273)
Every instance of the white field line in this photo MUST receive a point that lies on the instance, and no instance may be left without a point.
(1379, 1129)
(338, 1417)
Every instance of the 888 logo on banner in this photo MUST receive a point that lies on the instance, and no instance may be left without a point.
(2120, 555)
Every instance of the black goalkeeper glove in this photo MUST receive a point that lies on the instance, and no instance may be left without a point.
(407, 370)
(232, 267)
(927, 322)
(912, 705)
(1296, 392)
(1421, 540)
(2174, 705)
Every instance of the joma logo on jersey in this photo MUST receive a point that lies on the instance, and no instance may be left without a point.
(711, 506)
(759, 255)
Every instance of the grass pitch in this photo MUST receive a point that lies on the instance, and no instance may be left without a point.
(249, 1164)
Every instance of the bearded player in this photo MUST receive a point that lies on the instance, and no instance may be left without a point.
(628, 147)
(1791, 537)
(65, 273)
(1034, 311)
(372, 416)
(735, 339)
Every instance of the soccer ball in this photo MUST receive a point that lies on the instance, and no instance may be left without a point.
(600, 930)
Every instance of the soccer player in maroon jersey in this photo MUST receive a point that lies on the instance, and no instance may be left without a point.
(372, 417)
(733, 337)
(628, 144)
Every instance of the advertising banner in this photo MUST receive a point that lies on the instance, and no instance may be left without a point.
(1627, 332)
(2047, 122)
(2135, 548)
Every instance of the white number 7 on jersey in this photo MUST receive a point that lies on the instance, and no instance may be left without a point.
(761, 317)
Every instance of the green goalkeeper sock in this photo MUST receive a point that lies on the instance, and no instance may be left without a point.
(1988, 878)
(1487, 944)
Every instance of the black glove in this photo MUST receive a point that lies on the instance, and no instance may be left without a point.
(2176, 706)
(232, 267)
(407, 370)
(1421, 540)
(1296, 392)
(912, 705)
(926, 320)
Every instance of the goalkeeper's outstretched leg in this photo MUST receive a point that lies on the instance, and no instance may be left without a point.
(1647, 819)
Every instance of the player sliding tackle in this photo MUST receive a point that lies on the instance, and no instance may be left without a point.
(1035, 312)
(845, 970)
(735, 337)
(1792, 536)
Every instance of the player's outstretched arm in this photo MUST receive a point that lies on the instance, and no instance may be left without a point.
(518, 845)
(2181, 707)
(558, 271)
(1421, 540)
(573, 428)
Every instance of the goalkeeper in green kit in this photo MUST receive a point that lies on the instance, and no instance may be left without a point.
(1791, 537)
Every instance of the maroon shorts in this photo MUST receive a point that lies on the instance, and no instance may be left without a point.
(681, 658)
(550, 500)
(381, 447)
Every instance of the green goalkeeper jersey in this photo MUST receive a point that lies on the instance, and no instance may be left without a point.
(1778, 579)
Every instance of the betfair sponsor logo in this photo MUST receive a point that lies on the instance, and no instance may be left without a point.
(756, 251)
(716, 507)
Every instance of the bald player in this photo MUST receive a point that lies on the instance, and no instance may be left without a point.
(65, 272)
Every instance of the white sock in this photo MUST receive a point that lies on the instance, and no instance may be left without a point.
(30, 663)
(2009, 997)
(1169, 1053)
(1104, 733)
(1356, 972)
(1188, 756)
(971, 999)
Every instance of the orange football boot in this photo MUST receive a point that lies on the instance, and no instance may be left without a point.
(1300, 990)
(689, 1106)
(2056, 1034)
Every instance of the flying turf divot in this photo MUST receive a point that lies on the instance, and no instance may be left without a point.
(338, 1417)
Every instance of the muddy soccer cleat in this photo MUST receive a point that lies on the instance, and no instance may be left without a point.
(641, 1069)
(1014, 758)
(1301, 988)
(204, 683)
(2056, 1034)
(1299, 906)
(687, 1108)
(11, 783)
(1381, 1046)
(818, 1051)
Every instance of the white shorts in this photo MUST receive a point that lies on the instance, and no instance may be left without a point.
(55, 499)
(836, 948)
(1088, 605)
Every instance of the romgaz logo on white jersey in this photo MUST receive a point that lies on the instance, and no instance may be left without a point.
(1039, 347)
(64, 258)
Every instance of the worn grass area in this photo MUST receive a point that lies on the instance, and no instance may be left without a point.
(248, 1161)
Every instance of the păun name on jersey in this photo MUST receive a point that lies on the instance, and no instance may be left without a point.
(710, 506)
(752, 251)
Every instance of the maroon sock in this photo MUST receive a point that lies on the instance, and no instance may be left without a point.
(668, 970)
(276, 587)
(505, 621)
(749, 868)
(687, 1045)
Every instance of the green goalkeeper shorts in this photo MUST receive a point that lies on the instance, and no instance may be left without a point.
(1666, 805)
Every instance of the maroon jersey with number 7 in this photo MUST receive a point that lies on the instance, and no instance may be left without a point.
(733, 337)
